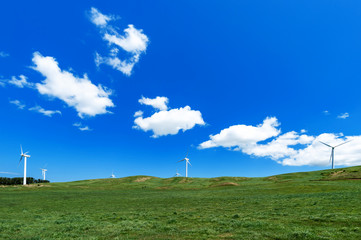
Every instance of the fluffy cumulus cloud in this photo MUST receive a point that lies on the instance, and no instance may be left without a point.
(98, 18)
(290, 148)
(41, 110)
(77, 92)
(166, 122)
(159, 103)
(133, 42)
(238, 136)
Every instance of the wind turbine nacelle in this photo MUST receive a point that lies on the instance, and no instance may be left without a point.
(24, 155)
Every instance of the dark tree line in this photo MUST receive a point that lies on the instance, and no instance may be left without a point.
(19, 181)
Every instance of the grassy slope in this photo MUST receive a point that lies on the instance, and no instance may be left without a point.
(310, 205)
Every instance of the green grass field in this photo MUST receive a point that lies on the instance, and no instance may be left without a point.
(312, 205)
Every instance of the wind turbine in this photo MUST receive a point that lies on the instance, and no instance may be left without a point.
(112, 176)
(177, 174)
(25, 156)
(187, 162)
(332, 157)
(43, 172)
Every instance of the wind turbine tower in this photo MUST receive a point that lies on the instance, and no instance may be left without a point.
(187, 162)
(332, 157)
(23, 156)
(43, 172)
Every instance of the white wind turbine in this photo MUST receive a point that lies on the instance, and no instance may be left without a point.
(187, 162)
(332, 157)
(43, 172)
(25, 156)
(112, 176)
(177, 174)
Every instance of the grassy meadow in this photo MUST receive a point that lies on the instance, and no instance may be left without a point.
(311, 205)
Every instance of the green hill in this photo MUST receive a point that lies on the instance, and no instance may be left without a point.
(306, 205)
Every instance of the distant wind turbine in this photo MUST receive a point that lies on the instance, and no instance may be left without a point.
(43, 172)
(112, 176)
(332, 157)
(25, 156)
(187, 162)
(177, 174)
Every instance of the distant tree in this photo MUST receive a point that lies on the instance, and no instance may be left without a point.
(19, 181)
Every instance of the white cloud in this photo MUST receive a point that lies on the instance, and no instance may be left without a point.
(343, 115)
(10, 173)
(80, 93)
(317, 154)
(18, 104)
(138, 113)
(81, 127)
(41, 110)
(326, 112)
(238, 136)
(98, 18)
(20, 82)
(124, 66)
(290, 148)
(167, 122)
(3, 54)
(159, 103)
(134, 42)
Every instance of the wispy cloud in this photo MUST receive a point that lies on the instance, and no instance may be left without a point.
(41, 110)
(4, 54)
(18, 104)
(343, 115)
(78, 92)
(133, 41)
(326, 112)
(10, 173)
(81, 127)
(20, 82)
(166, 122)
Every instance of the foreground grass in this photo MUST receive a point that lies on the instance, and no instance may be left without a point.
(313, 205)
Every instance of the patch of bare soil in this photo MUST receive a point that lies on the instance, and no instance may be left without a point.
(142, 179)
(225, 235)
(338, 173)
(272, 178)
(163, 188)
(226, 184)
(185, 180)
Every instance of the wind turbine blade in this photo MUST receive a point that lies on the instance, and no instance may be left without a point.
(21, 158)
(182, 160)
(21, 149)
(343, 143)
(187, 153)
(326, 144)
(189, 163)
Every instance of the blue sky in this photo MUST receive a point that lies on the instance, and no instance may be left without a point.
(248, 87)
